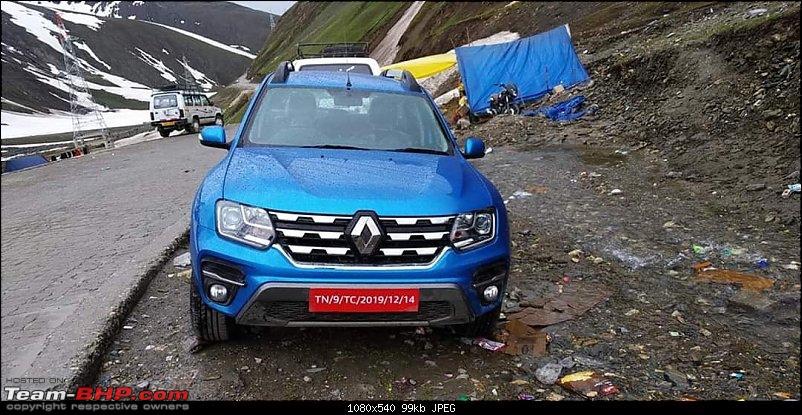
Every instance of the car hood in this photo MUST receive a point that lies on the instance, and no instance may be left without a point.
(344, 181)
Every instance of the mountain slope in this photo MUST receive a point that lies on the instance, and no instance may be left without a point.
(225, 22)
(325, 22)
(122, 58)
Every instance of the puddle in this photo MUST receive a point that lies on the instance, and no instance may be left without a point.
(601, 157)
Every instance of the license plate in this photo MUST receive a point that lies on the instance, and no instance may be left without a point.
(364, 300)
(168, 123)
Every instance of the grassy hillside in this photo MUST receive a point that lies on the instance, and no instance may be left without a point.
(325, 22)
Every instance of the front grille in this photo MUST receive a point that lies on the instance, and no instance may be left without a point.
(290, 311)
(322, 239)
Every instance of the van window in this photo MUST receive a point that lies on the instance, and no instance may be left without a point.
(205, 101)
(192, 100)
(165, 101)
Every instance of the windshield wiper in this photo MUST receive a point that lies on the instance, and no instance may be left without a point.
(418, 150)
(335, 146)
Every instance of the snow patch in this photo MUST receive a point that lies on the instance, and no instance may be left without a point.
(17, 124)
(33, 22)
(100, 8)
(206, 40)
(199, 76)
(87, 20)
(388, 48)
(156, 64)
(84, 47)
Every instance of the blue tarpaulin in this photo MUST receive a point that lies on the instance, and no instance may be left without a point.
(24, 162)
(536, 64)
(567, 110)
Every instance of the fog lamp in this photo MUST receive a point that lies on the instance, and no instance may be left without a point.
(218, 293)
(490, 293)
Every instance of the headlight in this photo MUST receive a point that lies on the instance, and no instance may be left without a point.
(245, 224)
(473, 229)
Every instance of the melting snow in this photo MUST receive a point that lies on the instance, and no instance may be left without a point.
(34, 23)
(88, 20)
(101, 9)
(206, 40)
(22, 125)
(158, 65)
(84, 47)
(199, 76)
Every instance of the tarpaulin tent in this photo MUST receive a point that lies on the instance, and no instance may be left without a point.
(536, 64)
(426, 66)
(24, 162)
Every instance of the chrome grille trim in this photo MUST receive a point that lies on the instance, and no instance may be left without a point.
(308, 249)
(322, 240)
(400, 251)
(429, 236)
(296, 233)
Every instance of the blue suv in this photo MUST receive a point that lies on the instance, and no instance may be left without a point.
(344, 200)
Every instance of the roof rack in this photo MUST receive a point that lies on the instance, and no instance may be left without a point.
(282, 72)
(404, 76)
(178, 87)
(333, 50)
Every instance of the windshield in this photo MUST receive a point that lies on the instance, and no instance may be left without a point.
(317, 117)
(165, 101)
(339, 67)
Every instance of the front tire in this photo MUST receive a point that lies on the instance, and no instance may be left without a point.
(208, 324)
(218, 120)
(482, 326)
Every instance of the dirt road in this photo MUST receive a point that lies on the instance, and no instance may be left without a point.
(661, 335)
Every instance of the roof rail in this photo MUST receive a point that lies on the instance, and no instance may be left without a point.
(404, 76)
(282, 72)
(333, 50)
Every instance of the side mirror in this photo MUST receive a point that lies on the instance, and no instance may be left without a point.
(474, 148)
(214, 136)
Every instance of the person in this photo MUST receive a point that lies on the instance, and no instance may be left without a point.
(463, 109)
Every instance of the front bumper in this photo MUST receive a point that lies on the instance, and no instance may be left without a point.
(275, 291)
(174, 124)
(283, 304)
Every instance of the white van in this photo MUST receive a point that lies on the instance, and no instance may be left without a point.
(335, 57)
(182, 110)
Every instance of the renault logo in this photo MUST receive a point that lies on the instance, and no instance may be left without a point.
(365, 232)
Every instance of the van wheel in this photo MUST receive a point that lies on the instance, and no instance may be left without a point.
(218, 120)
(195, 128)
(164, 132)
(208, 324)
(482, 326)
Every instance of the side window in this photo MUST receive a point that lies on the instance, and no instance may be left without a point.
(205, 100)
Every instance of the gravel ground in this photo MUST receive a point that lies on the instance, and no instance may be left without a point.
(661, 335)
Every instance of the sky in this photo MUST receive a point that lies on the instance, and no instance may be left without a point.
(275, 7)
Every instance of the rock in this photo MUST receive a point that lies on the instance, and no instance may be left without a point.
(632, 312)
(567, 362)
(755, 13)
(555, 397)
(616, 192)
(257, 360)
(751, 301)
(755, 187)
(669, 224)
(182, 261)
(143, 385)
(307, 379)
(549, 373)
(677, 378)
